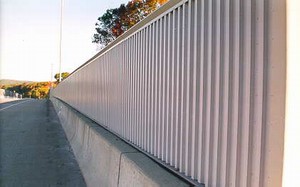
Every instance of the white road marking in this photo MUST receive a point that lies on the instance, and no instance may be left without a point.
(14, 104)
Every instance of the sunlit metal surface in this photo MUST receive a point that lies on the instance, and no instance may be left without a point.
(190, 86)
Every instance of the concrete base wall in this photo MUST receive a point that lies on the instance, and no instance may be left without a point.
(105, 159)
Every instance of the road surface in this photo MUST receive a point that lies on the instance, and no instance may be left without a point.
(5, 100)
(34, 150)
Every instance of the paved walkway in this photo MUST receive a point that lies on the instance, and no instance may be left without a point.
(34, 150)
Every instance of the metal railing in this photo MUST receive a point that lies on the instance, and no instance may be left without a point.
(191, 85)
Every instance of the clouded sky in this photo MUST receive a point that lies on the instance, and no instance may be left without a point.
(29, 36)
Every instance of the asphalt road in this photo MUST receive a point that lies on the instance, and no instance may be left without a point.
(6, 100)
(34, 150)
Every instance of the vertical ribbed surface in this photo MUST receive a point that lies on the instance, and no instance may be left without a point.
(188, 87)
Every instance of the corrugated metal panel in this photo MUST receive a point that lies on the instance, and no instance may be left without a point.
(187, 87)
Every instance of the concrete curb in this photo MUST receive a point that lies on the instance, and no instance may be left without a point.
(105, 159)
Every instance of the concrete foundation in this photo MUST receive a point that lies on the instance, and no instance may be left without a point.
(105, 159)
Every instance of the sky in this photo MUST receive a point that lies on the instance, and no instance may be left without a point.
(29, 36)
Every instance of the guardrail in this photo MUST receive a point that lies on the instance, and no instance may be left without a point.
(199, 85)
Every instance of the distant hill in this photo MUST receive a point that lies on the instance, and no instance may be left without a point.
(11, 82)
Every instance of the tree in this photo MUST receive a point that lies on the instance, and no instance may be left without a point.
(32, 89)
(104, 27)
(63, 76)
(115, 22)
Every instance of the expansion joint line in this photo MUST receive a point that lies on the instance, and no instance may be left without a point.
(120, 163)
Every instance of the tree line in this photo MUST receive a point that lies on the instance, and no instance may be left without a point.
(37, 90)
(116, 21)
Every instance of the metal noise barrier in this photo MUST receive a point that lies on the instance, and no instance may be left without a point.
(188, 86)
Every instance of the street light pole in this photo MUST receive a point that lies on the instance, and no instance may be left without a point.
(60, 37)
